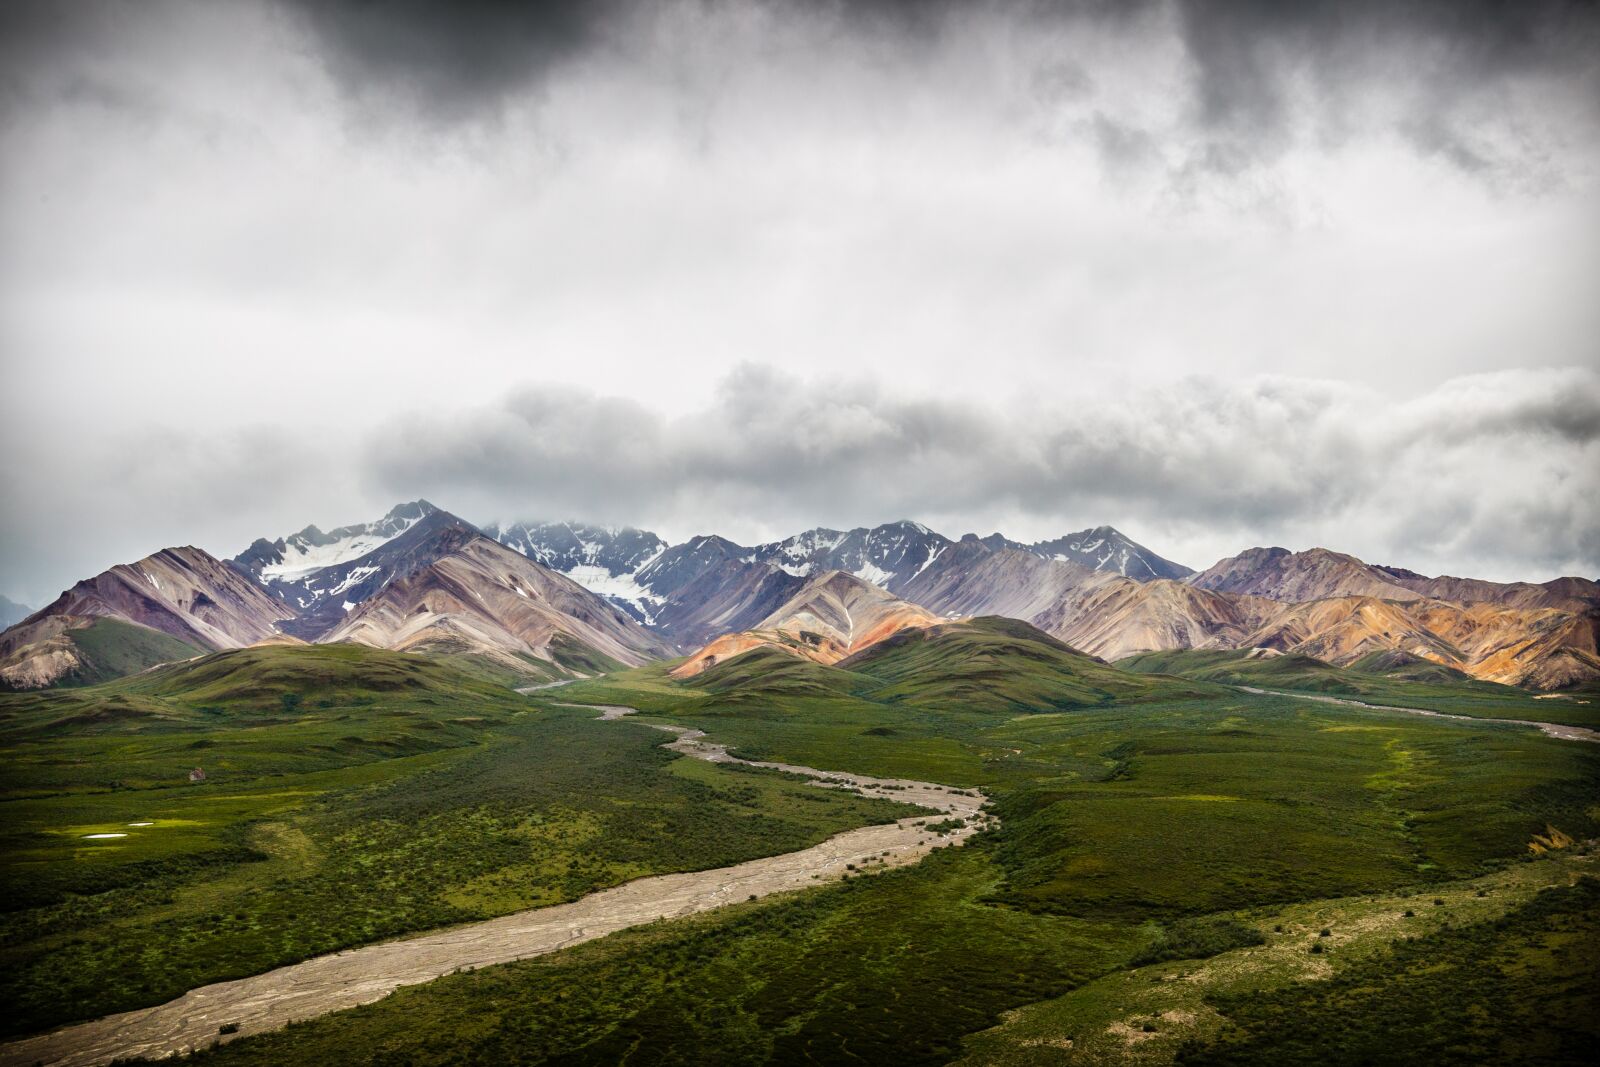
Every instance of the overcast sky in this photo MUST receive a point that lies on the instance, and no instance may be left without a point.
(1216, 273)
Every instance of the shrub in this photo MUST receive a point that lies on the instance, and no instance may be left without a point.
(1197, 939)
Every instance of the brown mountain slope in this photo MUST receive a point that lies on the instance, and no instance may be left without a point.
(1544, 648)
(1343, 629)
(1568, 594)
(1119, 618)
(730, 596)
(1295, 577)
(1523, 642)
(834, 615)
(488, 600)
(1100, 613)
(185, 593)
(972, 578)
(1317, 574)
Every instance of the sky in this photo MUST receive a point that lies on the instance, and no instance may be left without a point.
(1219, 273)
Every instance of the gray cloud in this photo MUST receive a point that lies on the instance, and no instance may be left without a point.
(1488, 475)
(1265, 75)
(1497, 471)
(1218, 273)
(453, 60)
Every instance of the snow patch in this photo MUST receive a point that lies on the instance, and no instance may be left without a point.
(359, 574)
(624, 587)
(300, 558)
(871, 572)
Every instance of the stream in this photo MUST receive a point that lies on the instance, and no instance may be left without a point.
(362, 975)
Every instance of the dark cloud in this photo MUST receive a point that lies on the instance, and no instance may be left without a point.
(451, 60)
(1263, 67)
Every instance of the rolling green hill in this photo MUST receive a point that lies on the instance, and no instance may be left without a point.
(999, 665)
(1280, 836)
(349, 794)
(990, 665)
(771, 672)
(1382, 678)
(111, 648)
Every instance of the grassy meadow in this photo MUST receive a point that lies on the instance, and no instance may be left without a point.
(350, 795)
(1169, 852)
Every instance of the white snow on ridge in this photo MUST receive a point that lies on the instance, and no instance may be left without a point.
(871, 572)
(300, 559)
(356, 574)
(597, 579)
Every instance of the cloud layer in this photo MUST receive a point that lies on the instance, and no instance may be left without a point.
(1490, 475)
(1217, 271)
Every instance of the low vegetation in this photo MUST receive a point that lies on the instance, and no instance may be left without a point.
(1392, 678)
(1166, 850)
(350, 795)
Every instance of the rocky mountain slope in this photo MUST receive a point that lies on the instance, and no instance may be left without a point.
(831, 617)
(602, 559)
(1105, 548)
(1229, 606)
(481, 598)
(297, 555)
(710, 585)
(185, 593)
(1096, 590)
(325, 585)
(1295, 577)
(1317, 574)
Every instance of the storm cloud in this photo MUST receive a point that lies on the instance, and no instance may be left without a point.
(1217, 272)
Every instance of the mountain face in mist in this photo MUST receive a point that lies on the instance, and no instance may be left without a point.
(886, 555)
(568, 546)
(12, 613)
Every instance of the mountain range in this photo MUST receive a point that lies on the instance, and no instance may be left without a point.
(543, 600)
(12, 612)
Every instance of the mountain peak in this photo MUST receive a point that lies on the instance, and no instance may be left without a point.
(411, 510)
(1105, 548)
